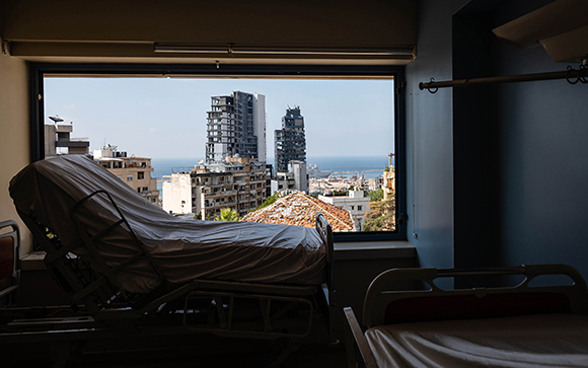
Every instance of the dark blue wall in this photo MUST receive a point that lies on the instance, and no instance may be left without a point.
(497, 175)
(429, 138)
(543, 151)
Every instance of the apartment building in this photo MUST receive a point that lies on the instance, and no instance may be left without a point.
(133, 170)
(295, 178)
(236, 127)
(58, 140)
(290, 141)
(355, 202)
(239, 183)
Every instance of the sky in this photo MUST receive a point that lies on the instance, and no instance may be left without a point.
(166, 117)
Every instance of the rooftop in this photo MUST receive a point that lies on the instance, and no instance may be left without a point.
(300, 209)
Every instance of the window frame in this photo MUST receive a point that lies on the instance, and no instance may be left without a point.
(38, 71)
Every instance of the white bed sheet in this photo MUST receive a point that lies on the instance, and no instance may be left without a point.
(545, 340)
(183, 249)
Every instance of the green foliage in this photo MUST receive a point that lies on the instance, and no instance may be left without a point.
(198, 216)
(387, 169)
(269, 200)
(380, 216)
(227, 214)
(376, 195)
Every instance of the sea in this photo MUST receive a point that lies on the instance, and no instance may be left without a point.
(354, 164)
(349, 165)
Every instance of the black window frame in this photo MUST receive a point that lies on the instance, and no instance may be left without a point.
(38, 71)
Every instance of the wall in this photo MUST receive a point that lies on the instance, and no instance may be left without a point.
(519, 152)
(543, 154)
(14, 136)
(429, 138)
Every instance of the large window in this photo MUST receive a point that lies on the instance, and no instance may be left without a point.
(334, 134)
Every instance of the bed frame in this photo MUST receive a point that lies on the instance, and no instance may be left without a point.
(384, 306)
(227, 308)
(9, 261)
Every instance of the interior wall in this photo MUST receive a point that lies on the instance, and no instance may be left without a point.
(14, 136)
(543, 157)
(429, 137)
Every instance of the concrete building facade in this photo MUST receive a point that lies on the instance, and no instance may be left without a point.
(239, 184)
(236, 127)
(290, 141)
(135, 171)
(356, 203)
(58, 141)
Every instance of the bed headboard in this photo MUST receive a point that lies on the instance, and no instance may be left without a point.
(383, 305)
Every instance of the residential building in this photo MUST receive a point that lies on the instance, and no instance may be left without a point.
(375, 183)
(355, 202)
(133, 170)
(290, 141)
(176, 190)
(239, 183)
(236, 127)
(293, 179)
(299, 209)
(58, 141)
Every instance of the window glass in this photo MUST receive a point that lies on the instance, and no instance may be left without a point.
(239, 144)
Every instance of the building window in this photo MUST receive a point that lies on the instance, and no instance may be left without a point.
(317, 131)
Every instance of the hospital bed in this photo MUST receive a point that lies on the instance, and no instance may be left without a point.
(126, 264)
(535, 323)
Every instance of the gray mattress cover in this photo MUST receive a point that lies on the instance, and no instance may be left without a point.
(183, 249)
(544, 340)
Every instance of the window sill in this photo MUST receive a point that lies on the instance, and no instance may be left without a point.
(343, 251)
(374, 250)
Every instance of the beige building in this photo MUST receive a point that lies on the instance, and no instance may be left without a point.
(389, 184)
(239, 183)
(135, 171)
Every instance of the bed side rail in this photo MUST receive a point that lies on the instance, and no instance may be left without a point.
(358, 350)
(384, 305)
(9, 260)
(90, 281)
(109, 271)
(326, 233)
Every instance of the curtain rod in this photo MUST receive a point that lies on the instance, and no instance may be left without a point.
(572, 75)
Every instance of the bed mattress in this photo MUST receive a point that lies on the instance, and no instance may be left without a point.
(183, 249)
(544, 340)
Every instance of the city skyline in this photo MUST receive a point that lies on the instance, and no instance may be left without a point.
(166, 118)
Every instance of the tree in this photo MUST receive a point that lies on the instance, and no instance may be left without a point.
(380, 216)
(227, 214)
(376, 195)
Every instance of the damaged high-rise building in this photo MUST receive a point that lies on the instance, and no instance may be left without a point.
(236, 127)
(290, 140)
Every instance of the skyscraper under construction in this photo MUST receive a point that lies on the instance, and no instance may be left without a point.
(290, 140)
(236, 126)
